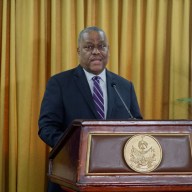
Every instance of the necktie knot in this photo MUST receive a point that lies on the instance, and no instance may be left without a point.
(96, 78)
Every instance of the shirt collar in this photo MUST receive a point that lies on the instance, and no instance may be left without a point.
(102, 75)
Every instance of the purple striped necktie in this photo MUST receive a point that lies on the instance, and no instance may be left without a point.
(98, 97)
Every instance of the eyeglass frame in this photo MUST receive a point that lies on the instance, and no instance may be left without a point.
(101, 47)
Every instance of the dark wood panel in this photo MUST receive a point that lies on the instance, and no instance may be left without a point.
(89, 157)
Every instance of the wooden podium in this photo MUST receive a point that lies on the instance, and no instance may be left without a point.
(90, 157)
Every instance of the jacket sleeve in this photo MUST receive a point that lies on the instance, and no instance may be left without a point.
(51, 114)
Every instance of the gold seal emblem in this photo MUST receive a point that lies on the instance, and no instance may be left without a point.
(143, 153)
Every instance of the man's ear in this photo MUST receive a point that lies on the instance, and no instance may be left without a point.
(78, 50)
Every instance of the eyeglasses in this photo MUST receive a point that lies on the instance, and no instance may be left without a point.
(100, 47)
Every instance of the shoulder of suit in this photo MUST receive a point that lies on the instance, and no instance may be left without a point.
(117, 77)
(64, 74)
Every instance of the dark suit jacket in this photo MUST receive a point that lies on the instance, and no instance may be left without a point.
(68, 97)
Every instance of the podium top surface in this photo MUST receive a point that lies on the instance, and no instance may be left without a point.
(85, 122)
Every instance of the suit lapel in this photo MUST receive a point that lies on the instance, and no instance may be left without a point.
(110, 93)
(82, 84)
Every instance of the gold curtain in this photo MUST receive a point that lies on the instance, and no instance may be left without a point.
(150, 44)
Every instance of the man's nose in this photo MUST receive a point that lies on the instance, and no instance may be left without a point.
(95, 51)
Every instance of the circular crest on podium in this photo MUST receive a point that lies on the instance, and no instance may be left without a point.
(143, 153)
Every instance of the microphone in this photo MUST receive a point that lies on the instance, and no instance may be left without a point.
(128, 111)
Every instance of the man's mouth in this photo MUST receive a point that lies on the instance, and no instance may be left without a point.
(95, 59)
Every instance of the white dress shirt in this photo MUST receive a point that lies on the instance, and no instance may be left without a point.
(103, 84)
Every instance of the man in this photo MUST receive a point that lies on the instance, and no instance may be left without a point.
(78, 94)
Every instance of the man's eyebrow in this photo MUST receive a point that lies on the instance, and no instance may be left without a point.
(89, 42)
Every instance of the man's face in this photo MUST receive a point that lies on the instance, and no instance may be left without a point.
(93, 51)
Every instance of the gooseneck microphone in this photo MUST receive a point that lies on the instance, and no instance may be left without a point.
(128, 111)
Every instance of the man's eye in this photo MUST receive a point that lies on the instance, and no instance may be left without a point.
(102, 46)
(89, 47)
